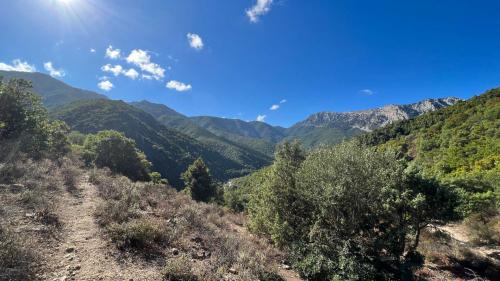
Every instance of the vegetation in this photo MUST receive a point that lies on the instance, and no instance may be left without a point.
(152, 220)
(198, 182)
(113, 150)
(53, 92)
(24, 123)
(459, 145)
(170, 151)
(346, 212)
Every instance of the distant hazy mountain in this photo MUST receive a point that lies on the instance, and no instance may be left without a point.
(169, 150)
(368, 120)
(332, 127)
(53, 92)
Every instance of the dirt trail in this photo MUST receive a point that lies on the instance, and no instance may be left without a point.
(83, 254)
(459, 233)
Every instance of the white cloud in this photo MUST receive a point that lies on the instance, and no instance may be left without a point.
(92, 50)
(274, 107)
(147, 77)
(195, 41)
(142, 59)
(17, 65)
(178, 86)
(261, 118)
(283, 101)
(105, 85)
(367, 92)
(113, 53)
(116, 70)
(260, 8)
(52, 71)
(131, 73)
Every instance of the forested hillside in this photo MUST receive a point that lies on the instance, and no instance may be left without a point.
(54, 93)
(227, 145)
(169, 150)
(459, 144)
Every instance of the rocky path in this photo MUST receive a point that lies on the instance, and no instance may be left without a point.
(82, 253)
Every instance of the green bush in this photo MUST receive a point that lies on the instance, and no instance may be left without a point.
(113, 150)
(198, 182)
(346, 212)
(25, 126)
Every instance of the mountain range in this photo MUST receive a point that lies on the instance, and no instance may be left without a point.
(231, 147)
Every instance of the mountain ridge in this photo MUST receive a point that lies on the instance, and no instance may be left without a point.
(54, 92)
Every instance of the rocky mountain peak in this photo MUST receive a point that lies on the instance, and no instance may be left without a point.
(368, 120)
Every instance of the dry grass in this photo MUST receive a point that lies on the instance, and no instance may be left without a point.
(448, 259)
(28, 222)
(147, 217)
(17, 259)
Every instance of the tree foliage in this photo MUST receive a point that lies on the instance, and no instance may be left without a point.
(198, 182)
(459, 145)
(345, 212)
(24, 123)
(113, 150)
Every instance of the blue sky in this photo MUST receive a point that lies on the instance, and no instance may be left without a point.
(320, 55)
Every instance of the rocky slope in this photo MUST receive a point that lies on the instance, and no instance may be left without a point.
(368, 120)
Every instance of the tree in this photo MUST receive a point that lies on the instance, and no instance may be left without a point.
(278, 208)
(198, 182)
(24, 123)
(345, 212)
(113, 150)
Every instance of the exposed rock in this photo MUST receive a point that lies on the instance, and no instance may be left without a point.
(368, 120)
(175, 251)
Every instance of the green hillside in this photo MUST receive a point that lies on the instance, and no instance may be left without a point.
(459, 144)
(229, 147)
(54, 93)
(311, 137)
(257, 135)
(169, 150)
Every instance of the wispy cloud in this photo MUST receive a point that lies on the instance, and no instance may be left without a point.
(142, 59)
(274, 107)
(17, 65)
(116, 70)
(261, 118)
(195, 41)
(113, 53)
(105, 85)
(283, 101)
(260, 8)
(366, 92)
(178, 86)
(57, 73)
(92, 50)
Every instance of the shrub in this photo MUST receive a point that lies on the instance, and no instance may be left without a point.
(113, 150)
(346, 212)
(17, 261)
(178, 269)
(198, 182)
(138, 234)
(484, 230)
(24, 123)
(70, 175)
